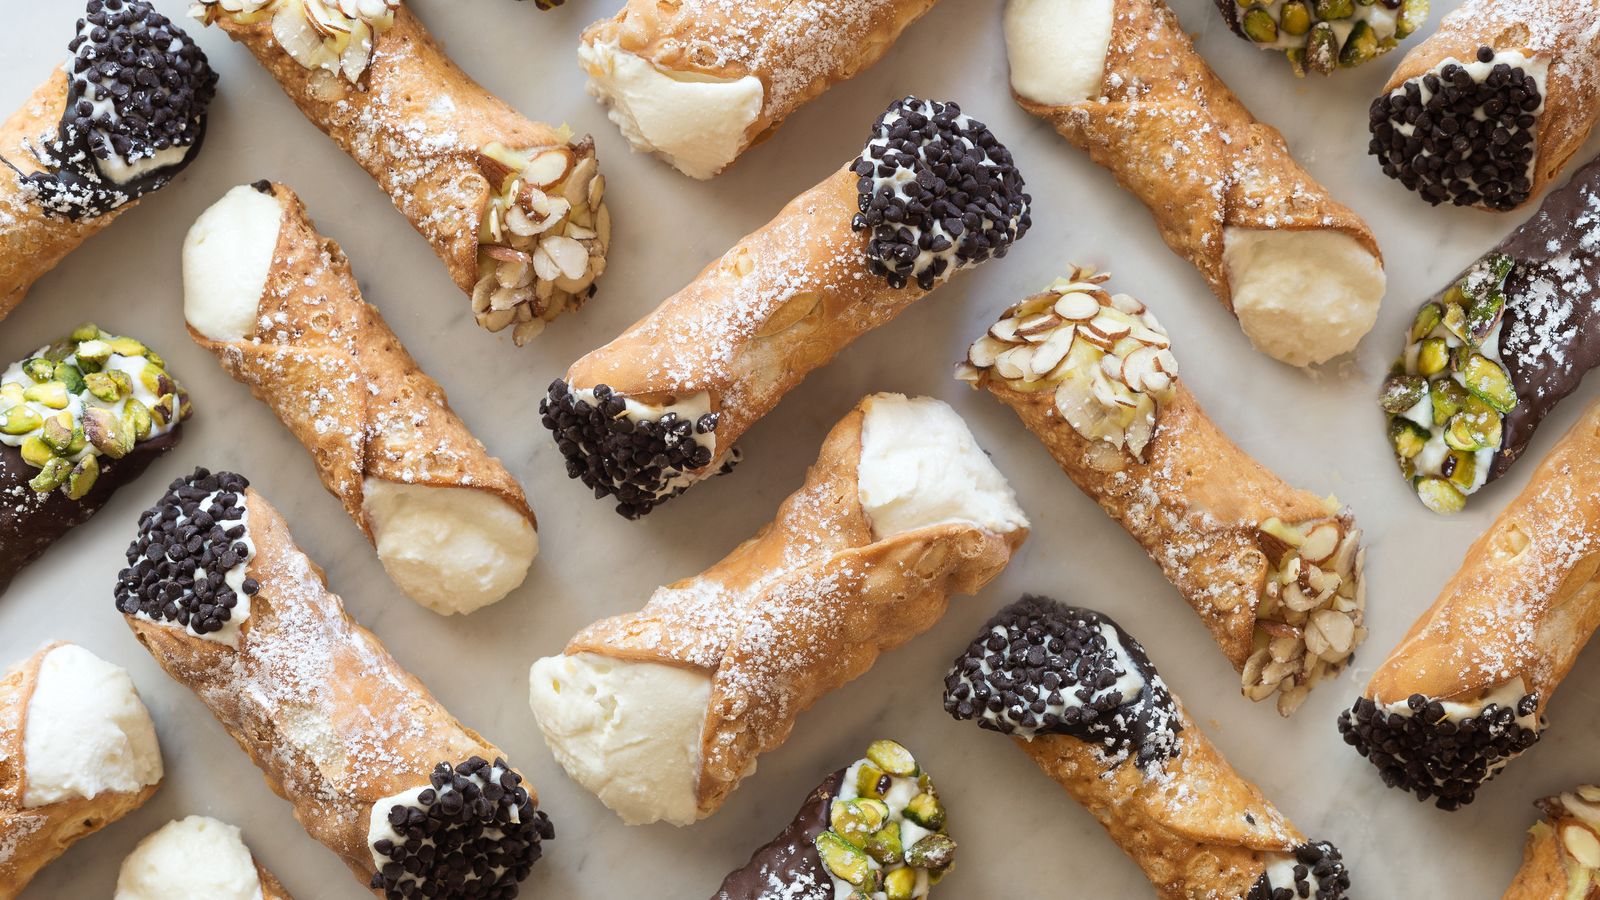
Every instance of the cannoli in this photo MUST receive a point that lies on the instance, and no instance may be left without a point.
(874, 829)
(1079, 696)
(1324, 35)
(279, 307)
(699, 82)
(661, 713)
(1122, 81)
(1274, 572)
(1465, 691)
(1561, 859)
(195, 858)
(120, 119)
(514, 208)
(1502, 94)
(415, 803)
(77, 752)
(79, 419)
(661, 407)
(1491, 355)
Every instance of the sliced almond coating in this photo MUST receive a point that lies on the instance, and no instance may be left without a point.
(1053, 351)
(1127, 304)
(984, 351)
(1077, 307)
(1014, 363)
(1582, 844)
(1321, 543)
(1005, 329)
(1334, 632)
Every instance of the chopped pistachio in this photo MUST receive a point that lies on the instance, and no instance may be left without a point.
(51, 476)
(106, 432)
(88, 331)
(1360, 46)
(901, 884)
(884, 845)
(1428, 318)
(1335, 9)
(934, 851)
(162, 411)
(127, 346)
(19, 420)
(1401, 392)
(926, 810)
(871, 781)
(39, 369)
(107, 386)
(1295, 17)
(1476, 427)
(892, 758)
(854, 820)
(137, 419)
(1258, 25)
(1447, 398)
(96, 352)
(1322, 49)
(1407, 437)
(57, 432)
(1432, 356)
(157, 381)
(35, 452)
(82, 478)
(71, 376)
(1440, 496)
(1485, 378)
(1462, 470)
(52, 394)
(846, 861)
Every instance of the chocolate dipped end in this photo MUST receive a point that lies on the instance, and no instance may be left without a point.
(1316, 870)
(1045, 668)
(30, 521)
(789, 866)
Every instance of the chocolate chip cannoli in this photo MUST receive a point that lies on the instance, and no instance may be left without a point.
(1488, 110)
(1561, 858)
(1080, 696)
(513, 207)
(77, 752)
(699, 82)
(1275, 572)
(195, 858)
(415, 803)
(80, 418)
(1300, 271)
(1325, 35)
(661, 407)
(1465, 691)
(875, 829)
(277, 304)
(1491, 355)
(663, 712)
(120, 119)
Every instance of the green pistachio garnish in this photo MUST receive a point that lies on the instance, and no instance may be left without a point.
(94, 352)
(88, 331)
(52, 475)
(871, 781)
(1485, 378)
(39, 369)
(1407, 437)
(1258, 25)
(1295, 18)
(52, 394)
(137, 419)
(1428, 318)
(892, 758)
(1360, 46)
(35, 452)
(926, 810)
(163, 411)
(106, 432)
(1412, 14)
(19, 420)
(856, 820)
(127, 346)
(82, 478)
(110, 385)
(934, 851)
(58, 432)
(901, 884)
(1440, 496)
(1401, 392)
(157, 381)
(845, 860)
(1432, 356)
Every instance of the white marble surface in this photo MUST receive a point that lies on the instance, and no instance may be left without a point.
(1020, 835)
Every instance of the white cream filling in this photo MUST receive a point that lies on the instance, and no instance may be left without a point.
(190, 859)
(1302, 297)
(1280, 874)
(378, 827)
(234, 578)
(629, 732)
(86, 732)
(227, 256)
(1057, 48)
(695, 122)
(451, 549)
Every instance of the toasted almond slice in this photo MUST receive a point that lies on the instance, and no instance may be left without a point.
(1005, 329)
(548, 167)
(506, 254)
(1110, 326)
(1053, 350)
(1149, 336)
(1166, 362)
(1321, 543)
(1077, 307)
(1156, 382)
(1036, 327)
(568, 255)
(1138, 366)
(1015, 362)
(1111, 366)
(984, 350)
(1127, 304)
(1336, 630)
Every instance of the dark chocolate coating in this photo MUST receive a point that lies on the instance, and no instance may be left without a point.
(30, 521)
(789, 860)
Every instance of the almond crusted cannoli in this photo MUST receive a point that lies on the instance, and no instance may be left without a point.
(80, 418)
(1274, 572)
(277, 304)
(1300, 271)
(1492, 354)
(415, 803)
(120, 119)
(663, 712)
(1080, 696)
(661, 407)
(873, 829)
(1465, 692)
(1324, 35)
(77, 752)
(1561, 860)
(195, 858)
(1488, 110)
(513, 207)
(699, 82)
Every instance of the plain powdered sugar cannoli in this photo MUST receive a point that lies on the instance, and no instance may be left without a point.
(119, 120)
(1561, 858)
(698, 82)
(1488, 110)
(663, 712)
(1082, 699)
(195, 858)
(77, 752)
(874, 829)
(1465, 691)
(1325, 35)
(662, 406)
(513, 207)
(413, 802)
(81, 417)
(1300, 271)
(278, 305)
(1492, 354)
(1274, 572)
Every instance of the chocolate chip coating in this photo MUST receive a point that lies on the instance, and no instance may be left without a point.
(1316, 863)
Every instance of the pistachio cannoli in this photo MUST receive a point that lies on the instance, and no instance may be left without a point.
(663, 712)
(1465, 691)
(415, 803)
(698, 82)
(1488, 110)
(278, 305)
(1301, 272)
(513, 207)
(874, 829)
(195, 858)
(1492, 354)
(1323, 36)
(77, 752)
(1082, 699)
(79, 418)
(1275, 572)
(662, 406)
(1561, 859)
(119, 120)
